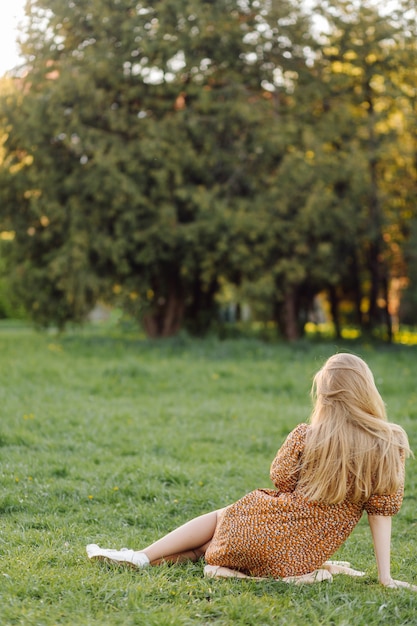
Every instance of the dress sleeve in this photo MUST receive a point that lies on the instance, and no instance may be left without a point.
(285, 467)
(387, 505)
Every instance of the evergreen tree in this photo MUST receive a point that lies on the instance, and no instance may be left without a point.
(156, 150)
(145, 127)
(366, 112)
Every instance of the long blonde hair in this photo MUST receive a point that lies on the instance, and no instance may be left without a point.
(351, 450)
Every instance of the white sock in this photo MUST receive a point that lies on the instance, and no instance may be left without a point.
(140, 559)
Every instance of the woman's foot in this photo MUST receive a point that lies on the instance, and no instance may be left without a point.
(318, 576)
(123, 556)
(341, 567)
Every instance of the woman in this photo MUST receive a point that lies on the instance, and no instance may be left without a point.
(349, 459)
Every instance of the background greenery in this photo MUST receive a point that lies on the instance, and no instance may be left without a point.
(174, 154)
(111, 438)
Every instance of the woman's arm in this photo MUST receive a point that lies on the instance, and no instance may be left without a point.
(381, 535)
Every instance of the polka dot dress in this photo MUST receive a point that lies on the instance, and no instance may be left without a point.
(277, 532)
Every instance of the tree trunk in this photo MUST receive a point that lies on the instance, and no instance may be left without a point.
(166, 317)
(201, 309)
(387, 315)
(375, 220)
(289, 309)
(334, 307)
(374, 288)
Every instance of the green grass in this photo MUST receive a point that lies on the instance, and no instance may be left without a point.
(106, 437)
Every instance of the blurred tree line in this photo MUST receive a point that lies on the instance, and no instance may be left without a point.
(155, 153)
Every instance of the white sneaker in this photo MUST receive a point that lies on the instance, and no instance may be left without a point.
(129, 557)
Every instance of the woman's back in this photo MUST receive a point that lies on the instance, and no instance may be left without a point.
(351, 448)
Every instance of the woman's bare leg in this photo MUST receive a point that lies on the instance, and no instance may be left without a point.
(189, 541)
(324, 573)
(219, 571)
(180, 557)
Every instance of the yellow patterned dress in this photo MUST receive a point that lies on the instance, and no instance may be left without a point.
(278, 533)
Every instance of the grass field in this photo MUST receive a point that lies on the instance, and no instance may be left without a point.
(108, 438)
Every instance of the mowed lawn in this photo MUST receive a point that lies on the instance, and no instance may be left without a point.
(106, 437)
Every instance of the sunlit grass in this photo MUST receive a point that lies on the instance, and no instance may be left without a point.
(108, 437)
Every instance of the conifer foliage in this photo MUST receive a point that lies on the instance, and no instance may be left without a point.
(156, 150)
